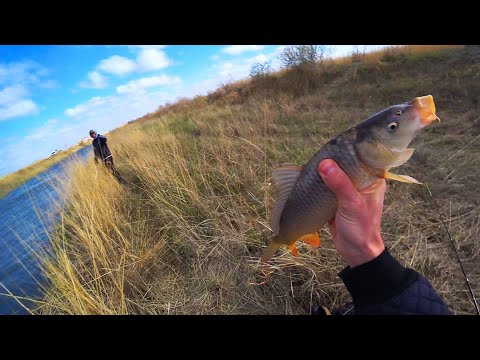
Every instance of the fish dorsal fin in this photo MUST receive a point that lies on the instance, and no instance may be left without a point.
(402, 157)
(285, 179)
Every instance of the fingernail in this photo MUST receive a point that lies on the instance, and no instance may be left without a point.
(327, 168)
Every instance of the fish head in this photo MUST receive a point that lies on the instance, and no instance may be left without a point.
(393, 129)
(398, 125)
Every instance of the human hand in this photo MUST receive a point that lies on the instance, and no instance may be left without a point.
(356, 227)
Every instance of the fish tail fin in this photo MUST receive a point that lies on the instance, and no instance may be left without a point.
(270, 251)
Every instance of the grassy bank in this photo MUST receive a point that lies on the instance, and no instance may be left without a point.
(185, 235)
(12, 181)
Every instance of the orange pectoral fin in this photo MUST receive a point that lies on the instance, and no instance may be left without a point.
(311, 239)
(293, 249)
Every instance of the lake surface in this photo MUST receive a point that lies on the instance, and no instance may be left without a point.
(27, 214)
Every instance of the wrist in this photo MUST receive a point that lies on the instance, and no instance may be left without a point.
(367, 251)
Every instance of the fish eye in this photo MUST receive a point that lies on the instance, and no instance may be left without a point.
(392, 126)
(398, 112)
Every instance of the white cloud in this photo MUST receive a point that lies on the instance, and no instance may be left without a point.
(134, 47)
(239, 49)
(95, 81)
(22, 72)
(240, 67)
(14, 104)
(346, 50)
(234, 69)
(12, 94)
(117, 65)
(152, 59)
(18, 108)
(149, 58)
(44, 131)
(140, 84)
(16, 80)
(225, 68)
(260, 58)
(86, 106)
(49, 84)
(107, 113)
(231, 70)
(273, 57)
(215, 57)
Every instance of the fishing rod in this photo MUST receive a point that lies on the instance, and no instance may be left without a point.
(456, 252)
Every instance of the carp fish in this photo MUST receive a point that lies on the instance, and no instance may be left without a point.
(366, 152)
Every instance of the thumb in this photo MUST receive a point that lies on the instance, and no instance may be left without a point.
(337, 181)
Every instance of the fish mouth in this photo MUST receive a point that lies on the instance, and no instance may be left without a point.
(425, 107)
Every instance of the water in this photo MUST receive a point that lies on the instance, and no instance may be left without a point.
(27, 213)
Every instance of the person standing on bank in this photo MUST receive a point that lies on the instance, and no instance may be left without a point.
(101, 151)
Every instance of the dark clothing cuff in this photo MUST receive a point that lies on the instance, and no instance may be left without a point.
(377, 280)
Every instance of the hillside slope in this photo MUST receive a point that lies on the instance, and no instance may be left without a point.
(185, 236)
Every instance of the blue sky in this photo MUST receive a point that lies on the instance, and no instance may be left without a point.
(51, 96)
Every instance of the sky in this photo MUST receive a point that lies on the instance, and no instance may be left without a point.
(51, 96)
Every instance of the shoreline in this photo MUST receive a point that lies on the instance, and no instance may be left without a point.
(12, 181)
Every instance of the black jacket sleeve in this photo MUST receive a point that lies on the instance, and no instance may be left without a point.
(384, 287)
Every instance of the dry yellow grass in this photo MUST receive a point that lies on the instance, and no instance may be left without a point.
(184, 236)
(395, 50)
